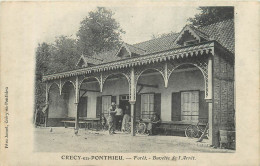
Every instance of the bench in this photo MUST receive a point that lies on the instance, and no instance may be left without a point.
(87, 124)
(168, 127)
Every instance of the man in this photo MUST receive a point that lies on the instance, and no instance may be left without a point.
(111, 118)
(118, 118)
(155, 122)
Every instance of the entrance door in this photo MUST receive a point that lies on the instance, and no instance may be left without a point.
(83, 105)
(106, 103)
(123, 102)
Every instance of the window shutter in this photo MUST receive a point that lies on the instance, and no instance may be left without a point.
(176, 106)
(203, 108)
(113, 99)
(138, 106)
(99, 107)
(157, 103)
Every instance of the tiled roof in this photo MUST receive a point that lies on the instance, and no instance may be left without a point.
(222, 32)
(158, 44)
(92, 60)
(136, 50)
(181, 52)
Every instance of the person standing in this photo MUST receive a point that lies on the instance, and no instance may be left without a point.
(119, 115)
(111, 118)
(126, 118)
(155, 122)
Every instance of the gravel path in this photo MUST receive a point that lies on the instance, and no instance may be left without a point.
(64, 140)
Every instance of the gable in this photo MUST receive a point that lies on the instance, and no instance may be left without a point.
(124, 52)
(190, 35)
(127, 50)
(82, 62)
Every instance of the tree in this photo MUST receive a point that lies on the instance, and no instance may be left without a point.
(64, 55)
(99, 32)
(42, 57)
(210, 15)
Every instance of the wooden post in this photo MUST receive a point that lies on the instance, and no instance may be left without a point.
(133, 124)
(76, 103)
(212, 137)
(132, 101)
(166, 79)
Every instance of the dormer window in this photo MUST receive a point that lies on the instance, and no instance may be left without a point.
(87, 61)
(189, 36)
(128, 51)
(191, 42)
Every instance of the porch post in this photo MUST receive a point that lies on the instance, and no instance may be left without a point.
(76, 103)
(212, 136)
(132, 101)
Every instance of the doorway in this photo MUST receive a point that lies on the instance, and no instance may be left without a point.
(123, 102)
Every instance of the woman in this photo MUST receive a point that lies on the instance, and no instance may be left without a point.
(126, 118)
(111, 118)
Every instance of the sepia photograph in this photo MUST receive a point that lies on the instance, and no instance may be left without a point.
(124, 83)
(132, 83)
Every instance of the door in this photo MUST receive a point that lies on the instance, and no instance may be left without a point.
(83, 106)
(106, 103)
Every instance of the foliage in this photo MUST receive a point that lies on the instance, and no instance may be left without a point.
(42, 56)
(210, 15)
(154, 36)
(53, 58)
(99, 32)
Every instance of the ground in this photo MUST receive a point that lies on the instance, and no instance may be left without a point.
(60, 139)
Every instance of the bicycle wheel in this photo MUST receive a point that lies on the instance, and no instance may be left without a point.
(141, 128)
(191, 131)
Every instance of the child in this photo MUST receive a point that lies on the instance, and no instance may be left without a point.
(103, 122)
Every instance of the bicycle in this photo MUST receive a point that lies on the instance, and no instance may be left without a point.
(195, 131)
(140, 127)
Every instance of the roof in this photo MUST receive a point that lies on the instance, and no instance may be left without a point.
(134, 49)
(181, 52)
(90, 60)
(223, 32)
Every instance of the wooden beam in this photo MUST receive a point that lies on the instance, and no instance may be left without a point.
(140, 89)
(89, 90)
(147, 85)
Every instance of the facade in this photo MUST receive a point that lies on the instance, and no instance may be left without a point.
(185, 77)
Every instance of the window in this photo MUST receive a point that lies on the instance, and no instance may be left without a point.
(147, 106)
(190, 106)
(106, 103)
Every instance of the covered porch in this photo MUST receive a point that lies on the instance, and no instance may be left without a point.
(184, 86)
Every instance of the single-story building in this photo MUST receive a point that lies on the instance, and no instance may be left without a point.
(185, 77)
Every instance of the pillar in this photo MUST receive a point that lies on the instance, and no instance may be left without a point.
(212, 137)
(77, 117)
(133, 119)
(132, 100)
(76, 103)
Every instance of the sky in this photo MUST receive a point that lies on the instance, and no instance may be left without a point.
(139, 23)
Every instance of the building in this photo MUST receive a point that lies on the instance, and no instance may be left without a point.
(186, 77)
